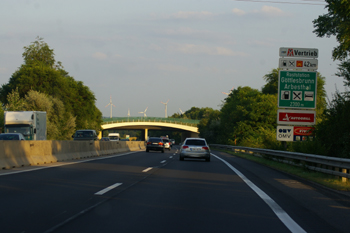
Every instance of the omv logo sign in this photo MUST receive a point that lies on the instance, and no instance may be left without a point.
(284, 133)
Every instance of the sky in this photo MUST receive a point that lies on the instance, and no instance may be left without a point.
(140, 53)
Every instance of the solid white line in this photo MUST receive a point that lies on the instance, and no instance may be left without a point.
(147, 169)
(163, 161)
(281, 214)
(103, 191)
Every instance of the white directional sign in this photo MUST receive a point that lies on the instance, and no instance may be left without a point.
(298, 63)
(298, 52)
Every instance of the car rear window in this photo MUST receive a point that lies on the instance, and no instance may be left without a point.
(195, 142)
(155, 140)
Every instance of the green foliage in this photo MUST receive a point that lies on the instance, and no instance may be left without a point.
(315, 147)
(209, 127)
(247, 116)
(60, 124)
(15, 102)
(333, 131)
(344, 71)
(271, 86)
(40, 73)
(336, 23)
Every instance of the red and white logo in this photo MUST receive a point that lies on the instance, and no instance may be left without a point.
(296, 117)
(303, 131)
(290, 53)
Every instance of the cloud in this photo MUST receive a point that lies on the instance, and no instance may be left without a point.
(272, 11)
(192, 14)
(269, 11)
(172, 68)
(238, 12)
(100, 56)
(209, 50)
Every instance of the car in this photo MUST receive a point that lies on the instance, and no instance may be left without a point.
(12, 136)
(195, 148)
(85, 135)
(105, 139)
(167, 144)
(156, 144)
(172, 141)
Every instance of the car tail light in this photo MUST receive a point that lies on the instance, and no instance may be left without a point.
(161, 144)
(149, 143)
(184, 147)
(205, 148)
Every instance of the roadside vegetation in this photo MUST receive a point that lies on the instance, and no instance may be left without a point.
(320, 178)
(42, 84)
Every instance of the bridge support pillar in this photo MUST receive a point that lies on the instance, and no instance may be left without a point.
(144, 134)
(185, 135)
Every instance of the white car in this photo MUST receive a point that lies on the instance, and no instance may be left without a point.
(195, 148)
(166, 143)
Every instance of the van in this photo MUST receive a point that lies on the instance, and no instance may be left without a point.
(113, 136)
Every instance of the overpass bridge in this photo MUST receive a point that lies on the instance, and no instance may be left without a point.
(187, 127)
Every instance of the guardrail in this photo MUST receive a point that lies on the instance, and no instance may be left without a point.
(330, 165)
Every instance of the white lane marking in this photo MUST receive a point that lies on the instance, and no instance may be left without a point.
(281, 214)
(170, 157)
(103, 191)
(163, 161)
(147, 169)
(64, 164)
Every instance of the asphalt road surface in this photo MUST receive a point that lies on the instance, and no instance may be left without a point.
(155, 192)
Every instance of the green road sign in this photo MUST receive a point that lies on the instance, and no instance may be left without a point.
(297, 89)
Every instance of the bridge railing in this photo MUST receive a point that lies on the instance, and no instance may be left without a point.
(325, 164)
(181, 121)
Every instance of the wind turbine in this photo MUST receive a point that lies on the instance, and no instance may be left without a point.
(229, 92)
(181, 111)
(166, 108)
(144, 112)
(111, 104)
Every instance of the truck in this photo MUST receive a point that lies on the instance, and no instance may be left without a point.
(32, 124)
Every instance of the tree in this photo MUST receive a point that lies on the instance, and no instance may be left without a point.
(41, 73)
(248, 114)
(271, 86)
(60, 123)
(15, 102)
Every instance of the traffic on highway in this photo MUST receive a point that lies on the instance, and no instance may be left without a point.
(143, 191)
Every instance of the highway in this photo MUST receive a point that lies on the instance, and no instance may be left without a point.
(155, 192)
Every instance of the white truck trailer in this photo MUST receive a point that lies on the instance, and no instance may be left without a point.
(32, 124)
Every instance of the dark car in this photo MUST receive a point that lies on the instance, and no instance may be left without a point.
(85, 135)
(105, 139)
(155, 144)
(195, 148)
(12, 136)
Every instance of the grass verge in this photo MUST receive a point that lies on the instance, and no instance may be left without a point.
(317, 177)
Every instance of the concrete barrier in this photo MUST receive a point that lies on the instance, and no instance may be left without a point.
(27, 153)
